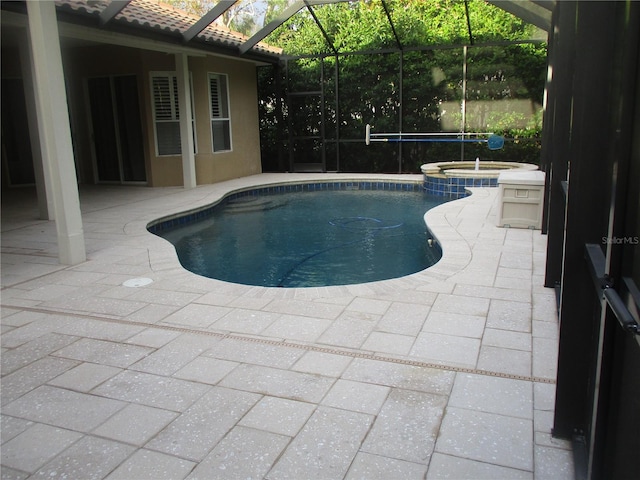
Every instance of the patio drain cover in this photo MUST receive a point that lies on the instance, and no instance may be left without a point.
(137, 282)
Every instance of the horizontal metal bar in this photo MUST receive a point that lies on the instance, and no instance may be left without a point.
(620, 310)
(604, 288)
(596, 264)
(430, 134)
(113, 9)
(633, 293)
(207, 19)
(435, 140)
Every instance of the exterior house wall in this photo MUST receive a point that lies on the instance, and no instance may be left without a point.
(166, 170)
(244, 157)
(82, 63)
(162, 171)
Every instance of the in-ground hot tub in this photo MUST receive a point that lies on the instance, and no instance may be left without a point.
(451, 179)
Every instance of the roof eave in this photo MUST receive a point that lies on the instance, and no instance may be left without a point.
(90, 26)
(536, 12)
(172, 37)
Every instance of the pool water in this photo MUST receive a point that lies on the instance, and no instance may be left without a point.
(310, 239)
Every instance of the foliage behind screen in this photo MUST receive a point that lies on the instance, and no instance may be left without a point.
(418, 89)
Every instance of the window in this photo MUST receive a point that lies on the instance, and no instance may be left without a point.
(220, 122)
(166, 114)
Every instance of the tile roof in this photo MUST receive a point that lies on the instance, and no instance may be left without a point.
(163, 18)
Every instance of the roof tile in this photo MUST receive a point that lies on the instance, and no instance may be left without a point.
(155, 15)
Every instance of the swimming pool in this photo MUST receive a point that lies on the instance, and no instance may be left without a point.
(308, 235)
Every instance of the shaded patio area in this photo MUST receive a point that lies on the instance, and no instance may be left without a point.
(447, 373)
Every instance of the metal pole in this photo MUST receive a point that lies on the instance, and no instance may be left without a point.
(464, 97)
(401, 118)
(323, 138)
(337, 94)
(289, 113)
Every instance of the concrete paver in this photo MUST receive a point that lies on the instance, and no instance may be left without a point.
(448, 373)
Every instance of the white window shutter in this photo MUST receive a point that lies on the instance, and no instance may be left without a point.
(162, 100)
(214, 85)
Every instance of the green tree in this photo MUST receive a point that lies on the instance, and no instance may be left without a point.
(426, 93)
(244, 17)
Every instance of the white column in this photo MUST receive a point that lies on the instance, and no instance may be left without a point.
(54, 130)
(43, 179)
(186, 127)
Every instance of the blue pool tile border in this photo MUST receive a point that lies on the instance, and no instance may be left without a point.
(455, 187)
(193, 216)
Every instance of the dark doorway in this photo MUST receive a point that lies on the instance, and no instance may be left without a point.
(17, 158)
(116, 129)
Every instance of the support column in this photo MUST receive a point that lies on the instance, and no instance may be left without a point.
(587, 145)
(43, 179)
(186, 127)
(556, 134)
(54, 130)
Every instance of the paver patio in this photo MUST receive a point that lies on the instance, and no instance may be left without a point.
(447, 373)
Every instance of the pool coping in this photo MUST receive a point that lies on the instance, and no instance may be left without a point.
(170, 221)
(456, 251)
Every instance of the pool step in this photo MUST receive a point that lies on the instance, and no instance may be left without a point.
(252, 204)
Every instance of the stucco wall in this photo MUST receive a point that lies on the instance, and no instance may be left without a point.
(244, 157)
(242, 160)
